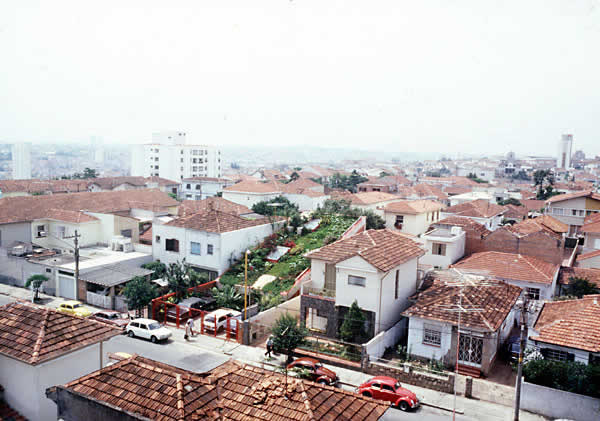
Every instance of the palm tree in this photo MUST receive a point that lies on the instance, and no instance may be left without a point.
(228, 297)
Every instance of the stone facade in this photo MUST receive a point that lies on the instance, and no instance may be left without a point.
(406, 374)
(325, 308)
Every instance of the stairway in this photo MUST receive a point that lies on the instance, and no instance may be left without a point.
(467, 370)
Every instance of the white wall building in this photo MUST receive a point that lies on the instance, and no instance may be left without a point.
(412, 216)
(565, 148)
(21, 161)
(170, 156)
(443, 246)
(200, 188)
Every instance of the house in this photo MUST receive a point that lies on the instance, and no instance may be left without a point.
(542, 237)
(450, 181)
(249, 193)
(377, 268)
(41, 348)
(305, 193)
(189, 207)
(475, 232)
(373, 200)
(199, 188)
(412, 216)
(422, 191)
(433, 331)
(210, 241)
(573, 208)
(140, 388)
(443, 246)
(387, 184)
(591, 231)
(590, 259)
(515, 213)
(536, 277)
(568, 273)
(471, 196)
(482, 211)
(568, 330)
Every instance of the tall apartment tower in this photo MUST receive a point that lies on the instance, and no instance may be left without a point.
(21, 161)
(170, 156)
(565, 146)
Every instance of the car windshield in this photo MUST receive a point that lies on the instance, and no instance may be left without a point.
(112, 316)
(154, 326)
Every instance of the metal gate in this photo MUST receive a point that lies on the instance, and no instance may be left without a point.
(66, 287)
(470, 350)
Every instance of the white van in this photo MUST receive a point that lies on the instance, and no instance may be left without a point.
(147, 329)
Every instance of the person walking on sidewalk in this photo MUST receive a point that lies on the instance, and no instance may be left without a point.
(188, 331)
(269, 347)
(190, 323)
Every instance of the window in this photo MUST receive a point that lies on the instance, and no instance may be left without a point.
(198, 186)
(126, 233)
(195, 248)
(432, 336)
(48, 270)
(396, 285)
(574, 212)
(209, 249)
(556, 355)
(172, 244)
(438, 249)
(41, 232)
(399, 221)
(557, 211)
(198, 197)
(157, 239)
(60, 231)
(387, 387)
(357, 280)
(533, 293)
(188, 186)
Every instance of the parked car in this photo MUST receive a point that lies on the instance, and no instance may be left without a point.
(389, 389)
(147, 329)
(219, 317)
(112, 317)
(198, 303)
(316, 371)
(513, 347)
(75, 308)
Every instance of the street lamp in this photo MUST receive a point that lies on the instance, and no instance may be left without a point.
(246, 283)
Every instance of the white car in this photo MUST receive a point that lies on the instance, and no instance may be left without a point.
(147, 329)
(219, 318)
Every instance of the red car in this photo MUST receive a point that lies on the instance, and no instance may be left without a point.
(388, 389)
(317, 373)
(112, 317)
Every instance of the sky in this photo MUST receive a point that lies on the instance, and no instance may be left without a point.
(443, 76)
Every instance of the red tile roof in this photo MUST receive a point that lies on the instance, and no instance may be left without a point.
(189, 207)
(480, 208)
(592, 223)
(566, 273)
(532, 204)
(219, 222)
(384, 249)
(508, 266)
(515, 212)
(9, 414)
(248, 186)
(453, 190)
(69, 216)
(34, 335)
(493, 299)
(588, 255)
(570, 323)
(233, 391)
(561, 197)
(372, 197)
(427, 190)
(452, 180)
(466, 223)
(28, 208)
(390, 180)
(544, 223)
(413, 207)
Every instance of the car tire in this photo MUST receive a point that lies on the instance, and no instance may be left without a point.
(403, 406)
(153, 339)
(367, 394)
(130, 334)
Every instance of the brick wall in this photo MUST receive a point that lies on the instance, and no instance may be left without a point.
(406, 374)
(539, 245)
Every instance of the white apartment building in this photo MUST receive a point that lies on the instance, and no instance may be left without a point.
(565, 147)
(170, 156)
(21, 161)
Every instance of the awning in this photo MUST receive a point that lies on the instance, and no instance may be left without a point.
(112, 275)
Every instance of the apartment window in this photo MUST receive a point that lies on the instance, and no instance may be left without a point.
(41, 232)
(188, 186)
(209, 249)
(157, 239)
(126, 233)
(432, 336)
(156, 159)
(557, 211)
(574, 212)
(396, 285)
(181, 151)
(172, 244)
(533, 293)
(360, 281)
(60, 231)
(48, 270)
(399, 222)
(198, 197)
(181, 160)
(438, 249)
(198, 186)
(156, 167)
(195, 248)
(194, 160)
(188, 196)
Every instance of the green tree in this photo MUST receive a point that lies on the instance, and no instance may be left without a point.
(178, 278)
(353, 326)
(36, 282)
(159, 268)
(294, 176)
(89, 173)
(288, 334)
(544, 180)
(284, 207)
(581, 286)
(139, 292)
(510, 201)
(228, 297)
(384, 174)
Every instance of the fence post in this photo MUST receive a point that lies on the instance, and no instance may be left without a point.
(202, 323)
(246, 333)
(176, 316)
(364, 358)
(469, 387)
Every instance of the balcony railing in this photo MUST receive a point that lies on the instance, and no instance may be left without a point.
(320, 292)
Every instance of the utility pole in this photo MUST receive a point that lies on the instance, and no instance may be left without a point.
(521, 351)
(75, 238)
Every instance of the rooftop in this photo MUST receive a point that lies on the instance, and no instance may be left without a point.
(588, 255)
(480, 208)
(592, 224)
(190, 207)
(566, 273)
(544, 223)
(586, 193)
(249, 186)
(413, 207)
(219, 221)
(465, 223)
(372, 197)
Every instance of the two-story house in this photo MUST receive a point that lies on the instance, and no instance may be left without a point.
(487, 214)
(377, 268)
(573, 208)
(199, 188)
(412, 216)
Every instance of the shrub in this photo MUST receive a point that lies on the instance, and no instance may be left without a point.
(570, 376)
(353, 327)
(329, 239)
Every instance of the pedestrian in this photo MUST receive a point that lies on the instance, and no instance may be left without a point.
(269, 347)
(187, 332)
(190, 323)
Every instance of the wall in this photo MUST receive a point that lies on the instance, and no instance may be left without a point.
(248, 199)
(592, 240)
(360, 225)
(578, 203)
(391, 308)
(539, 245)
(580, 355)
(91, 233)
(304, 202)
(592, 262)
(73, 407)
(556, 404)
(260, 325)
(376, 347)
(10, 233)
(18, 380)
(405, 374)
(415, 344)
(325, 308)
(455, 249)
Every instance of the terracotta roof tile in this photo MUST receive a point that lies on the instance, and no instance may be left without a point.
(495, 298)
(465, 223)
(592, 223)
(413, 207)
(566, 273)
(588, 255)
(561, 197)
(515, 212)
(454, 190)
(508, 266)
(532, 204)
(390, 180)
(248, 186)
(218, 221)
(384, 249)
(189, 207)
(544, 223)
(570, 323)
(9, 414)
(428, 190)
(33, 335)
(480, 208)
(372, 197)
(69, 216)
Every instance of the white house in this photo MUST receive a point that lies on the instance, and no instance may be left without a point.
(377, 268)
(568, 330)
(487, 214)
(200, 188)
(412, 216)
(41, 348)
(433, 323)
(536, 277)
(470, 196)
(590, 259)
(210, 241)
(373, 200)
(573, 208)
(443, 246)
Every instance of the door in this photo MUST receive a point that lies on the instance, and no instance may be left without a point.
(66, 287)
(330, 277)
(470, 350)
(143, 331)
(388, 393)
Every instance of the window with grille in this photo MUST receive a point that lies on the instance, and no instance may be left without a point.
(360, 281)
(432, 336)
(556, 355)
(533, 293)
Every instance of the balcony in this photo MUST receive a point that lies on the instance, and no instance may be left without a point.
(308, 289)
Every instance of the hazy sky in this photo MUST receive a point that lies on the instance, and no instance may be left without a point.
(471, 76)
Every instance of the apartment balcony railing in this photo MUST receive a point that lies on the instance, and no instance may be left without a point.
(319, 292)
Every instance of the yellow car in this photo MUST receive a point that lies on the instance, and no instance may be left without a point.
(75, 308)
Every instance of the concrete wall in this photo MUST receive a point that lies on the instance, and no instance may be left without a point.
(91, 233)
(376, 347)
(455, 250)
(248, 199)
(592, 240)
(72, 407)
(405, 374)
(415, 345)
(592, 262)
(10, 233)
(555, 403)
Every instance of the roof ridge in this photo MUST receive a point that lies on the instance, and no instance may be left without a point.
(306, 401)
(40, 339)
(479, 314)
(179, 386)
(527, 259)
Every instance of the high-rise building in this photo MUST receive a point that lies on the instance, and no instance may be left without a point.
(21, 161)
(170, 156)
(565, 146)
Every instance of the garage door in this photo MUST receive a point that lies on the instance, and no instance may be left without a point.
(67, 287)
